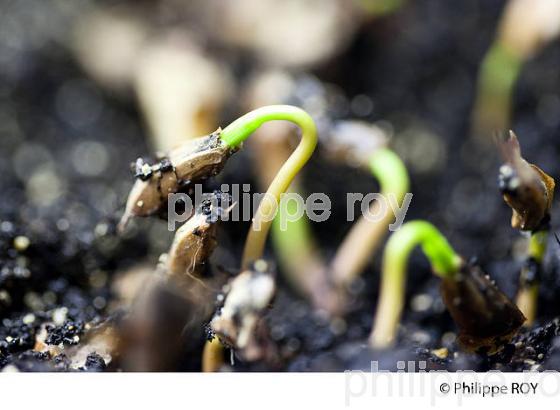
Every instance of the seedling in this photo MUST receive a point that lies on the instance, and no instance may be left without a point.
(353, 143)
(294, 246)
(173, 300)
(233, 135)
(484, 315)
(529, 192)
(526, 188)
(365, 235)
(204, 157)
(526, 26)
(238, 131)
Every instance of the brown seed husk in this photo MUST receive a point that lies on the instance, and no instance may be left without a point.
(193, 161)
(194, 242)
(485, 316)
(526, 188)
(200, 158)
(147, 197)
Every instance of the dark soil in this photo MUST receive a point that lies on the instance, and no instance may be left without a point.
(417, 68)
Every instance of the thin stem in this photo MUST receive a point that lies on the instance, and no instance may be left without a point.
(497, 78)
(295, 245)
(443, 259)
(234, 135)
(528, 294)
(537, 245)
(237, 132)
(365, 235)
(212, 356)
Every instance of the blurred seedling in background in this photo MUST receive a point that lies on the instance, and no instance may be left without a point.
(529, 192)
(378, 8)
(352, 143)
(526, 27)
(124, 49)
(118, 46)
(486, 318)
(365, 146)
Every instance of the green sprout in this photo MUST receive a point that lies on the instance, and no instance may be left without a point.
(233, 136)
(365, 235)
(237, 132)
(444, 260)
(485, 316)
(300, 259)
(525, 28)
(296, 246)
(498, 75)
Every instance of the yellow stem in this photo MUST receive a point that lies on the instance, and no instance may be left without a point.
(235, 133)
(445, 262)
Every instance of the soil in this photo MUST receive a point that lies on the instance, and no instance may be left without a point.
(416, 69)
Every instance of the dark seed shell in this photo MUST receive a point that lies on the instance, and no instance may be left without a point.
(486, 317)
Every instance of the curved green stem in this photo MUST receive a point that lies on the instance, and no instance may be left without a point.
(365, 235)
(234, 135)
(237, 132)
(443, 259)
(390, 171)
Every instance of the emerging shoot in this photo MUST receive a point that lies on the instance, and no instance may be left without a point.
(525, 28)
(237, 132)
(529, 192)
(294, 244)
(484, 315)
(386, 166)
(353, 143)
(233, 136)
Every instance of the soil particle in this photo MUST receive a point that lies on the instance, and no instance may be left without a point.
(67, 334)
(94, 363)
